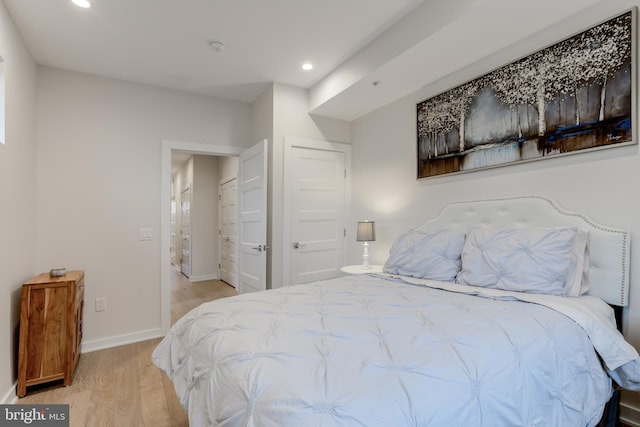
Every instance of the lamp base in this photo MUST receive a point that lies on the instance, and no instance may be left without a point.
(365, 256)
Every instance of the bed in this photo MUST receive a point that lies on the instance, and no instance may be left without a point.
(464, 328)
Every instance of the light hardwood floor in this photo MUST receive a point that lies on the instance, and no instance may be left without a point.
(186, 295)
(120, 386)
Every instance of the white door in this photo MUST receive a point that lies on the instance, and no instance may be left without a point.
(185, 204)
(228, 215)
(317, 188)
(252, 219)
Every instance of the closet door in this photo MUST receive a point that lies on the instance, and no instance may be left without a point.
(316, 190)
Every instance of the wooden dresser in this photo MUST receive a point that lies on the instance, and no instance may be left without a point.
(50, 329)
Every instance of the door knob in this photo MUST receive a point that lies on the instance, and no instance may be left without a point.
(298, 245)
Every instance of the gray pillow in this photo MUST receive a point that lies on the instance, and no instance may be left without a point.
(434, 256)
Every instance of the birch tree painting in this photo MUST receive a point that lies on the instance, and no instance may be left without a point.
(572, 96)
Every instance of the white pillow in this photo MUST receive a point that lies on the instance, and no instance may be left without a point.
(434, 256)
(535, 260)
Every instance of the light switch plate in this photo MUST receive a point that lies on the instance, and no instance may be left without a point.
(101, 304)
(146, 234)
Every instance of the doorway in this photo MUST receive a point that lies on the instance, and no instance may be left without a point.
(254, 236)
(169, 147)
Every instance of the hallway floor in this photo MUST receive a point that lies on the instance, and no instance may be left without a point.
(185, 295)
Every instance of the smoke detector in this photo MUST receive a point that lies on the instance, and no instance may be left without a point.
(216, 45)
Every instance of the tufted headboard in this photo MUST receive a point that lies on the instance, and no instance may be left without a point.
(609, 248)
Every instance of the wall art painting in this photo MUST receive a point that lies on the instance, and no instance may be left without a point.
(573, 96)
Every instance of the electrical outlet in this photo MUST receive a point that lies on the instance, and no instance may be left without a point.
(101, 304)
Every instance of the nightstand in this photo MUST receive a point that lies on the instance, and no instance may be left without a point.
(357, 269)
(50, 329)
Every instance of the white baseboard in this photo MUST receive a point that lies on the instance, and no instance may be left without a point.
(10, 397)
(629, 414)
(116, 341)
(204, 277)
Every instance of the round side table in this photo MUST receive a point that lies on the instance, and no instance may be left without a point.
(357, 269)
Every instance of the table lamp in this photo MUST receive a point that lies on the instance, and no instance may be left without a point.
(366, 233)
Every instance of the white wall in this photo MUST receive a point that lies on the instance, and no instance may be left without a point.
(204, 218)
(281, 111)
(98, 170)
(290, 118)
(228, 168)
(262, 128)
(17, 191)
(262, 116)
(602, 184)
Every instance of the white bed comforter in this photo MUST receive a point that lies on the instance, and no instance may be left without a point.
(366, 351)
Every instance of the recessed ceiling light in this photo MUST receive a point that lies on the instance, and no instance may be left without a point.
(307, 66)
(82, 3)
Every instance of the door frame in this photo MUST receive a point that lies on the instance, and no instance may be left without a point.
(291, 142)
(165, 212)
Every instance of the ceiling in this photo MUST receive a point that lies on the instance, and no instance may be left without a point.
(366, 53)
(165, 42)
